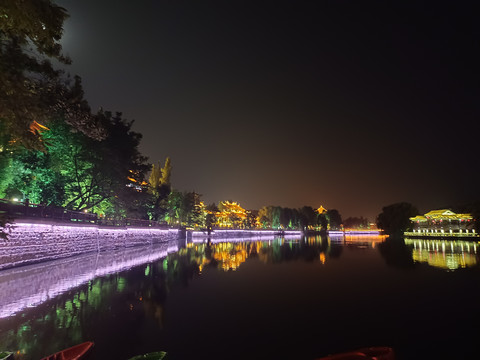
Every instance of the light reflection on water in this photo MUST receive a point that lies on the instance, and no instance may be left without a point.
(32, 285)
(444, 254)
(102, 297)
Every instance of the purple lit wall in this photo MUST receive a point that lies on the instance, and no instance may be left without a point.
(353, 232)
(31, 242)
(269, 239)
(224, 234)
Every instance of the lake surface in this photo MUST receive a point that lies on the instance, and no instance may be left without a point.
(298, 298)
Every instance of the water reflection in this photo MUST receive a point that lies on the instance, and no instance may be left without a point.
(50, 306)
(359, 241)
(32, 285)
(228, 255)
(444, 254)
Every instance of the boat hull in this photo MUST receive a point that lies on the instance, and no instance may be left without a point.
(73, 353)
(370, 353)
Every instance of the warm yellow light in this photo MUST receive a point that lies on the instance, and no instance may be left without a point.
(322, 258)
(321, 210)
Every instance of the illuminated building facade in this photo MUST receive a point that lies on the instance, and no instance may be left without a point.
(444, 222)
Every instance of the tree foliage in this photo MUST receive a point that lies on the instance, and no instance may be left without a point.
(78, 172)
(160, 188)
(334, 219)
(356, 223)
(395, 218)
(31, 89)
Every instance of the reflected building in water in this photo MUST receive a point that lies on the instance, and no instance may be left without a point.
(444, 254)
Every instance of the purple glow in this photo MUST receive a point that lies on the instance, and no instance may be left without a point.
(32, 285)
(245, 232)
(268, 238)
(353, 232)
(32, 242)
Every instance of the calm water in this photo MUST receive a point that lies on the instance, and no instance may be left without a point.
(276, 299)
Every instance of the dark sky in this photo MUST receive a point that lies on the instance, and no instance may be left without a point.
(352, 105)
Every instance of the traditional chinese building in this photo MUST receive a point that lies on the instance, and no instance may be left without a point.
(444, 222)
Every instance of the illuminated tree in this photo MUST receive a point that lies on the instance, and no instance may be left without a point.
(250, 221)
(31, 174)
(160, 187)
(78, 172)
(166, 172)
(231, 214)
(155, 178)
(276, 217)
(264, 217)
(174, 207)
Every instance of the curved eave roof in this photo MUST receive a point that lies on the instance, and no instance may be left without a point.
(444, 214)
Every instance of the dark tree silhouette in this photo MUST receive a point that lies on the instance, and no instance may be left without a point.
(395, 219)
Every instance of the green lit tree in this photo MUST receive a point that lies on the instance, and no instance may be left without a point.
(78, 172)
(174, 209)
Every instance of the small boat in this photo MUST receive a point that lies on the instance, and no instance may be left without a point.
(378, 352)
(4, 355)
(72, 353)
(159, 355)
(370, 353)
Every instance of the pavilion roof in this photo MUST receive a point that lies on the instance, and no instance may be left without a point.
(441, 214)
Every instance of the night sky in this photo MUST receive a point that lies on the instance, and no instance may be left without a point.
(352, 105)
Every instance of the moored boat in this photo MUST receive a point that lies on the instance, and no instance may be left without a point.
(73, 353)
(369, 353)
(378, 352)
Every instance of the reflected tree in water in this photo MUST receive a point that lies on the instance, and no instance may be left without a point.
(396, 253)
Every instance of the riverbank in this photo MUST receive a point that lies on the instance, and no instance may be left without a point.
(36, 240)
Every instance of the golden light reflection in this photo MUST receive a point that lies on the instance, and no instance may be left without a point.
(445, 254)
(322, 258)
(370, 241)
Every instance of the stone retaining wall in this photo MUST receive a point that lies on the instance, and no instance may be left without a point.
(35, 241)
